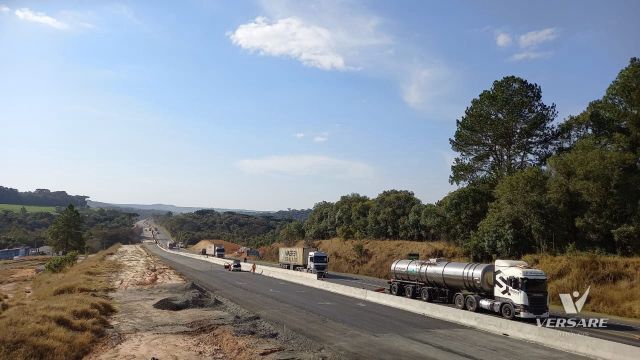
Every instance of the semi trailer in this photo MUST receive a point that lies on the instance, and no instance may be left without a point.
(508, 287)
(303, 259)
(215, 251)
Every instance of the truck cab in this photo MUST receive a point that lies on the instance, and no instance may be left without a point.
(219, 251)
(317, 262)
(523, 287)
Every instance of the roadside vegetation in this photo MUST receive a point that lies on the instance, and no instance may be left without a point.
(63, 315)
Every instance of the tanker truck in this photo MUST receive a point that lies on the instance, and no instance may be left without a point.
(507, 287)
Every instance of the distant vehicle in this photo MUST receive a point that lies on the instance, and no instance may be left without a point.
(508, 287)
(216, 251)
(171, 245)
(236, 266)
(303, 259)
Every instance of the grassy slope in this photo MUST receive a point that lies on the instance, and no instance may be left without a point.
(614, 280)
(65, 314)
(30, 208)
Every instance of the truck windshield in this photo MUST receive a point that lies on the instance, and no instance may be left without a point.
(319, 259)
(535, 285)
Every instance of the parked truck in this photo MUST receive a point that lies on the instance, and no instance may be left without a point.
(215, 251)
(508, 287)
(303, 259)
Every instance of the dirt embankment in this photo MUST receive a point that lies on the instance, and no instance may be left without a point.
(161, 315)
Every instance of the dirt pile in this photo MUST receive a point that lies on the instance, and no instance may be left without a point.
(194, 297)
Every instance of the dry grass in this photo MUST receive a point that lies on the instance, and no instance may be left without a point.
(614, 280)
(377, 255)
(63, 316)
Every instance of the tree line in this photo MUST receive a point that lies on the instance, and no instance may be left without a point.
(526, 183)
(80, 229)
(43, 197)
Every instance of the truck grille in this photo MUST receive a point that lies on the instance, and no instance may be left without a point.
(320, 268)
(538, 304)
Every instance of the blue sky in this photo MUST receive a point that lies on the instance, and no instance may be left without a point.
(275, 104)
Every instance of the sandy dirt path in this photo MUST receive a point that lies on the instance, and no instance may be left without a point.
(206, 326)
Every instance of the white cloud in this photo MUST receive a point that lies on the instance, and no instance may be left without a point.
(424, 85)
(41, 18)
(312, 45)
(305, 165)
(503, 39)
(530, 55)
(534, 38)
(320, 138)
(299, 135)
(4, 8)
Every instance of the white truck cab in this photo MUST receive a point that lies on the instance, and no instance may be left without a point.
(522, 286)
(317, 262)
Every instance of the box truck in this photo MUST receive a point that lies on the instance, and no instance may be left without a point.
(215, 251)
(303, 259)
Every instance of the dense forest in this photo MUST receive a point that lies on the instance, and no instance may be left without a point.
(527, 184)
(43, 197)
(100, 228)
(249, 230)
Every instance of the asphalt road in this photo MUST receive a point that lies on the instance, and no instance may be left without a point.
(618, 330)
(354, 329)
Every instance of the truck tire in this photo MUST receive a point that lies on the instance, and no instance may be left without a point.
(410, 292)
(458, 300)
(507, 311)
(394, 289)
(425, 295)
(471, 303)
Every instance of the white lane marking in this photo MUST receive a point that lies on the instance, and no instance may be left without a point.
(240, 283)
(325, 303)
(361, 304)
(274, 290)
(300, 291)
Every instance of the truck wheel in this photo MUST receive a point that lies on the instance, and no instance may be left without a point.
(393, 289)
(425, 295)
(472, 303)
(507, 311)
(409, 291)
(458, 300)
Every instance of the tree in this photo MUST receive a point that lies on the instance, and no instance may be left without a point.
(292, 232)
(389, 210)
(507, 128)
(351, 213)
(520, 220)
(321, 222)
(460, 212)
(65, 233)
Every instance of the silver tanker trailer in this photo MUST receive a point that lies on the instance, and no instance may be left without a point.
(507, 287)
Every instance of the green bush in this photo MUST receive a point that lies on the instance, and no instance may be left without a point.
(59, 263)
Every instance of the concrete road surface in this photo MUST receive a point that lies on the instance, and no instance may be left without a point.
(354, 329)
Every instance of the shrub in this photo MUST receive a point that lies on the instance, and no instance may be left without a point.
(59, 263)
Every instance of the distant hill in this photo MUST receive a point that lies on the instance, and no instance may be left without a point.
(161, 209)
(40, 197)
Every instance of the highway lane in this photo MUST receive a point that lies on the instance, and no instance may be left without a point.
(354, 329)
(617, 330)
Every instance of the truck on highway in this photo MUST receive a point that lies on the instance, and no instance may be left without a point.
(507, 287)
(303, 259)
(216, 251)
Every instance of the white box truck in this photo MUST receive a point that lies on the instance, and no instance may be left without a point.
(215, 251)
(303, 259)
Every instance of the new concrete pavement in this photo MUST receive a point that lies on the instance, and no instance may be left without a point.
(357, 330)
